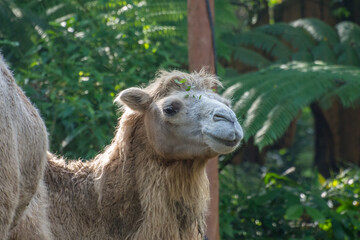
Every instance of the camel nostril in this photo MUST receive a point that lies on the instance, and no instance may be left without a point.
(222, 117)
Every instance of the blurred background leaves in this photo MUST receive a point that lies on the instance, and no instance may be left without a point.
(73, 57)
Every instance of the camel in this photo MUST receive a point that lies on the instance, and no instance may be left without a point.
(23, 146)
(150, 182)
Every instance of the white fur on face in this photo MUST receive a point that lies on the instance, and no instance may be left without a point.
(193, 124)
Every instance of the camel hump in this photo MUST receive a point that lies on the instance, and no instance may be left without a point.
(23, 145)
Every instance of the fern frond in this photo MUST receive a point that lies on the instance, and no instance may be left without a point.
(302, 56)
(225, 16)
(265, 42)
(348, 87)
(250, 58)
(225, 23)
(269, 99)
(247, 87)
(277, 90)
(348, 32)
(318, 29)
(309, 40)
(323, 52)
(348, 95)
(346, 54)
(161, 11)
(297, 37)
(223, 50)
(286, 109)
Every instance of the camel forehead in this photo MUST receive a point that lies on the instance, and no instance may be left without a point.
(195, 98)
(167, 83)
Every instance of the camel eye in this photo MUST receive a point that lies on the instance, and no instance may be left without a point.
(170, 110)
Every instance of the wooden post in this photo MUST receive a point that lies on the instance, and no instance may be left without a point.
(201, 55)
(199, 36)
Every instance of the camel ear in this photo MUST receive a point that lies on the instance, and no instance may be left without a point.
(134, 98)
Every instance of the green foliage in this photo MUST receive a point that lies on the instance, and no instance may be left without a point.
(281, 208)
(302, 40)
(340, 9)
(295, 36)
(83, 53)
(247, 11)
(268, 100)
(250, 57)
(269, 44)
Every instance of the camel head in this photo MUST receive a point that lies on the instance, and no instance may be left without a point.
(183, 117)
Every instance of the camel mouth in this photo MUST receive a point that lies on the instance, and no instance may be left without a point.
(228, 143)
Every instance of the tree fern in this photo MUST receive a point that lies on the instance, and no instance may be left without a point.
(269, 99)
(281, 92)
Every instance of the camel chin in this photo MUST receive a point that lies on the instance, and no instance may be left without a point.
(221, 146)
(220, 142)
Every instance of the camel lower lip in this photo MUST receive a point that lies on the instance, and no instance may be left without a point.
(229, 143)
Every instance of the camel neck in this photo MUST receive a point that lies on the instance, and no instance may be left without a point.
(145, 186)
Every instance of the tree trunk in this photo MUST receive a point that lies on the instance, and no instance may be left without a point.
(291, 10)
(201, 55)
(324, 142)
(337, 137)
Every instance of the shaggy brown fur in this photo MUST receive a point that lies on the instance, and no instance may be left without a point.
(132, 191)
(23, 145)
